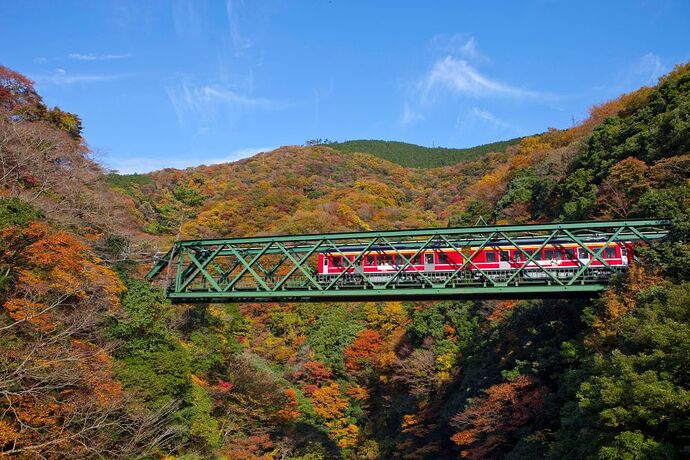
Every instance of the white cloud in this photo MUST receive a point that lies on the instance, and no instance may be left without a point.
(650, 65)
(62, 77)
(98, 57)
(410, 116)
(239, 42)
(490, 118)
(207, 101)
(461, 44)
(131, 165)
(460, 77)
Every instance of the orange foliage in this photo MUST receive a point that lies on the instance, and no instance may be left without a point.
(617, 302)
(290, 411)
(252, 447)
(55, 262)
(492, 185)
(328, 403)
(365, 350)
(501, 309)
(312, 375)
(409, 421)
(488, 422)
(357, 392)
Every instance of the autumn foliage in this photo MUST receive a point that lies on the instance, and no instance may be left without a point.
(97, 363)
(489, 421)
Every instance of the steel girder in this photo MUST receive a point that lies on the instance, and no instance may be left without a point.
(284, 268)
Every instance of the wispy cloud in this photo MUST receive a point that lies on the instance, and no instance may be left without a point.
(62, 77)
(475, 119)
(460, 77)
(458, 45)
(98, 57)
(239, 41)
(144, 164)
(490, 118)
(650, 65)
(207, 101)
(409, 116)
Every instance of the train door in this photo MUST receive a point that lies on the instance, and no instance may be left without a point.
(429, 262)
(504, 259)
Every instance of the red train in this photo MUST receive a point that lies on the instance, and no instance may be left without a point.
(380, 264)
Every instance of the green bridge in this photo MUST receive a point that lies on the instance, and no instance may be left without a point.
(291, 268)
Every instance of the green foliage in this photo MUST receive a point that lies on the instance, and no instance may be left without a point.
(188, 195)
(127, 182)
(151, 360)
(470, 216)
(435, 321)
(203, 427)
(520, 191)
(652, 130)
(143, 329)
(15, 212)
(416, 156)
(672, 256)
(636, 398)
(159, 378)
(328, 336)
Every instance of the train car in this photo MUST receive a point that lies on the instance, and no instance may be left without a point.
(410, 266)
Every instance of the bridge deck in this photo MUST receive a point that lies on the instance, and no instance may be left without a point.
(284, 268)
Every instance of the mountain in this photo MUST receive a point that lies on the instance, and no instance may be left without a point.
(417, 156)
(97, 363)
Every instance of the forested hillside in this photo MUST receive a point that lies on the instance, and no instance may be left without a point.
(97, 363)
(416, 156)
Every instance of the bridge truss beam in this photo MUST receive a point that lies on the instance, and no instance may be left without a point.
(284, 268)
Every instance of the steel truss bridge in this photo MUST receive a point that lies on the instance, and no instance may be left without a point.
(284, 268)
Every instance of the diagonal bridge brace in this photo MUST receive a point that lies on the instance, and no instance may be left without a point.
(254, 269)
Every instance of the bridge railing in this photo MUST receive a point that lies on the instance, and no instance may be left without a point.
(285, 268)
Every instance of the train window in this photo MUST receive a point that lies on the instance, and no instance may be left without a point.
(537, 255)
(517, 256)
(570, 253)
(416, 260)
(397, 259)
(583, 253)
(490, 256)
(325, 261)
(337, 261)
(610, 252)
(388, 259)
(505, 256)
(429, 258)
(443, 258)
(624, 251)
(371, 260)
(548, 253)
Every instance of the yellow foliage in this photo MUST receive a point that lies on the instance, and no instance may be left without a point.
(7, 433)
(409, 421)
(385, 318)
(328, 403)
(618, 302)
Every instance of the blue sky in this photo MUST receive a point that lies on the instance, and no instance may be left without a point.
(188, 82)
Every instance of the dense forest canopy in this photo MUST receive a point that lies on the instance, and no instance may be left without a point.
(416, 156)
(97, 363)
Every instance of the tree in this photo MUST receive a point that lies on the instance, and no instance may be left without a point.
(364, 352)
(488, 423)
